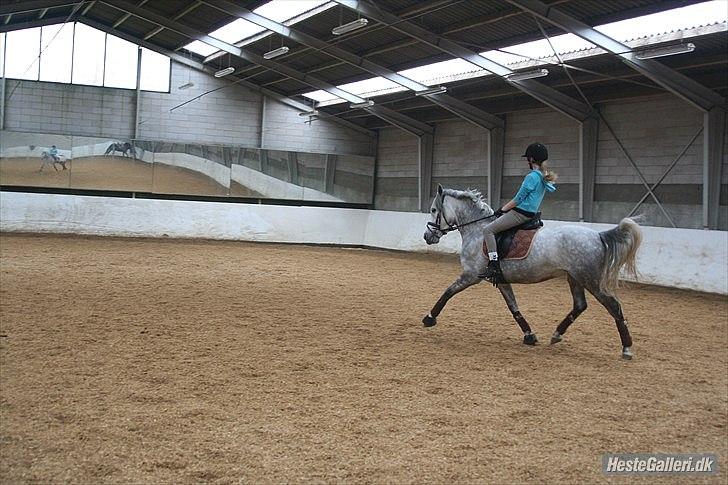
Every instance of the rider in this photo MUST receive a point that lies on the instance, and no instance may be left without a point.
(524, 206)
(53, 152)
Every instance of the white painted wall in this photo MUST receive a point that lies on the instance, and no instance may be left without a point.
(682, 258)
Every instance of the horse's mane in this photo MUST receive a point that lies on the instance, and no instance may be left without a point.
(472, 195)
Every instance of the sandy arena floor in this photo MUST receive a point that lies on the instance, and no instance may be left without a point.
(179, 361)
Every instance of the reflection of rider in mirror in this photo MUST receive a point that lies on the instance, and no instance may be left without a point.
(53, 152)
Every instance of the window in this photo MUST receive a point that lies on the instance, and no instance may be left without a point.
(56, 52)
(155, 71)
(120, 69)
(88, 56)
(23, 48)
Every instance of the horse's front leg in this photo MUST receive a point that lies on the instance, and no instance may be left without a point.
(529, 338)
(464, 281)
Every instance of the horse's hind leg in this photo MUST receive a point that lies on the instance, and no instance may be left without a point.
(529, 338)
(464, 281)
(615, 309)
(577, 293)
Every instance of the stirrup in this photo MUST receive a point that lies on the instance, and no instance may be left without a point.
(493, 273)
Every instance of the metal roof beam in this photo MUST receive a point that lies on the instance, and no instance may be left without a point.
(179, 58)
(678, 84)
(559, 101)
(459, 108)
(181, 14)
(272, 65)
(32, 24)
(32, 6)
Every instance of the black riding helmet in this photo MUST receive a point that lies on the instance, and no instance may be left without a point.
(537, 151)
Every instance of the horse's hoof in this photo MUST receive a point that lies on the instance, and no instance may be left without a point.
(556, 338)
(530, 339)
(627, 353)
(429, 320)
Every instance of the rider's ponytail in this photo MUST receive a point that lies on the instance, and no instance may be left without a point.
(548, 175)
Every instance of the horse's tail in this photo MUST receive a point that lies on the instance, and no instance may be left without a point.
(621, 245)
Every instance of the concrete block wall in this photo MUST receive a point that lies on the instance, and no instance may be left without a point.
(561, 135)
(284, 129)
(66, 109)
(230, 116)
(653, 129)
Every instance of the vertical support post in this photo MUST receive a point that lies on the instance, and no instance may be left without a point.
(2, 87)
(425, 151)
(138, 93)
(263, 103)
(588, 137)
(714, 128)
(2, 103)
(496, 147)
(264, 161)
(293, 167)
(329, 173)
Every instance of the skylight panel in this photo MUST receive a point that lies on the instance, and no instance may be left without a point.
(235, 31)
(200, 48)
(282, 10)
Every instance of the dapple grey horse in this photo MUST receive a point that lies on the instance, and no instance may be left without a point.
(590, 260)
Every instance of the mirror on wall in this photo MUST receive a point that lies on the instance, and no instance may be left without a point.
(190, 169)
(164, 167)
(110, 164)
(35, 160)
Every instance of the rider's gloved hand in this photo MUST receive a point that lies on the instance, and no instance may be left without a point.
(499, 212)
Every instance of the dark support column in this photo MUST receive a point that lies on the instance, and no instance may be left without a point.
(329, 173)
(496, 146)
(264, 161)
(426, 146)
(293, 167)
(588, 136)
(714, 132)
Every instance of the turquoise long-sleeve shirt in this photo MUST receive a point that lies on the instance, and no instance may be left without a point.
(530, 195)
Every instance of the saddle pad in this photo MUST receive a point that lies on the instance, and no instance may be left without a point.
(520, 246)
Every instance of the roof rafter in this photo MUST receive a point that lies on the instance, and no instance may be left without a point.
(404, 122)
(573, 108)
(457, 107)
(678, 84)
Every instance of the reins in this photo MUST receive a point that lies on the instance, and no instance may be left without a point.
(451, 227)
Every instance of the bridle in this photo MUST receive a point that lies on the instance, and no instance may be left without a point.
(436, 226)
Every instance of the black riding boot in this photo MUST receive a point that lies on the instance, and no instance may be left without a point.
(493, 273)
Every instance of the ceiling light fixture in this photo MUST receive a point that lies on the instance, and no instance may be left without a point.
(522, 76)
(225, 72)
(364, 104)
(431, 91)
(313, 112)
(356, 24)
(186, 85)
(276, 52)
(665, 51)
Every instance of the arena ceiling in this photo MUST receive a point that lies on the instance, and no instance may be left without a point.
(405, 34)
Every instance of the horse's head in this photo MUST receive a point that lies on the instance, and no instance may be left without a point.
(453, 209)
(438, 225)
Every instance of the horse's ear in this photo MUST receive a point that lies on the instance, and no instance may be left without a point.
(439, 189)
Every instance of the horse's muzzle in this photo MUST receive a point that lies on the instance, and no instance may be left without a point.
(431, 238)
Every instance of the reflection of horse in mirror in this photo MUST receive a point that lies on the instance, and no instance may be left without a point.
(126, 149)
(48, 159)
(590, 260)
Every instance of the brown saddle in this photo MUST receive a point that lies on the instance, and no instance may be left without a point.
(515, 243)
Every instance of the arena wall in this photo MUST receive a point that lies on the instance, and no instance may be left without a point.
(653, 130)
(232, 116)
(682, 258)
